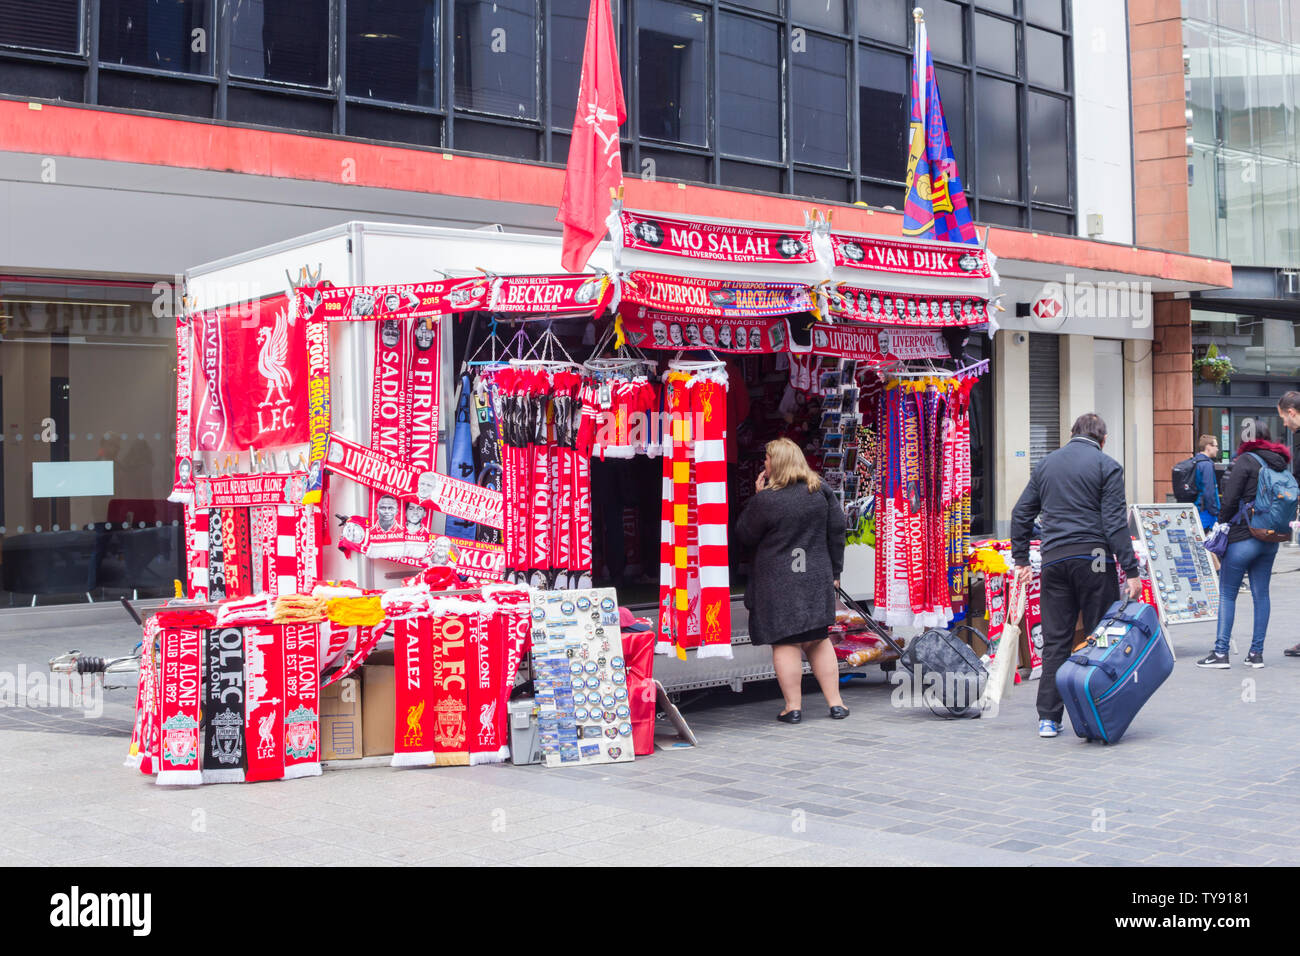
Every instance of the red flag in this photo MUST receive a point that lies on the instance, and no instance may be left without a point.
(595, 164)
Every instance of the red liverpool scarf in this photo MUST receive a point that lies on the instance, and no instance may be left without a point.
(413, 693)
(264, 713)
(451, 629)
(487, 662)
(390, 433)
(424, 394)
(709, 409)
(143, 753)
(179, 709)
(301, 701)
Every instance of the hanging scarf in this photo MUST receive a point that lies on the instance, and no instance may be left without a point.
(197, 553)
(183, 471)
(223, 707)
(264, 713)
(487, 653)
(540, 451)
(708, 394)
(390, 434)
(413, 693)
(179, 707)
(143, 753)
(487, 449)
(451, 628)
(238, 553)
(306, 545)
(423, 390)
(462, 458)
(216, 557)
(301, 701)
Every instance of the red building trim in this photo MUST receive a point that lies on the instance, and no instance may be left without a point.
(91, 133)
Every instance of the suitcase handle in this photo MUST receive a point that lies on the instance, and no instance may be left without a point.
(1084, 661)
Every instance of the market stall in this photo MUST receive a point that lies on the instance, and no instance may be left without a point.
(381, 450)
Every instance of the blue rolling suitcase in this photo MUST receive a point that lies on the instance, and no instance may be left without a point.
(1105, 683)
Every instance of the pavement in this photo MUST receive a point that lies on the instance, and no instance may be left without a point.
(1209, 774)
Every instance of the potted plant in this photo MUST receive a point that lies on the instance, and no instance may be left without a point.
(1214, 367)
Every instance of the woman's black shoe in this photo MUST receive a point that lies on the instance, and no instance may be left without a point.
(790, 717)
(839, 713)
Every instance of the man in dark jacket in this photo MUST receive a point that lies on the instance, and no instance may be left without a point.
(1207, 483)
(1078, 493)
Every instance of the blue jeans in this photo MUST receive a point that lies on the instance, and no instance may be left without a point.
(1255, 558)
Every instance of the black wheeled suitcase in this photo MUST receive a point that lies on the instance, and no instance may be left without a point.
(947, 676)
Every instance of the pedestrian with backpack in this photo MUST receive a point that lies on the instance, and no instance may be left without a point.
(1288, 409)
(1195, 482)
(1259, 500)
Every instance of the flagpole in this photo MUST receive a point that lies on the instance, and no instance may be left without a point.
(918, 15)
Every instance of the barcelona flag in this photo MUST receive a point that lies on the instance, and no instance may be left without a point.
(936, 202)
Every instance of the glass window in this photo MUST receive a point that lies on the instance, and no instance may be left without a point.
(673, 50)
(1049, 173)
(995, 44)
(1238, 202)
(764, 6)
(749, 100)
(952, 94)
(1000, 214)
(1274, 111)
(1268, 18)
(1045, 58)
(393, 51)
(822, 14)
(819, 104)
(566, 42)
(946, 30)
(1001, 6)
(1279, 197)
(1054, 222)
(1197, 45)
(886, 20)
(86, 465)
(1235, 65)
(884, 87)
(999, 139)
(41, 24)
(1202, 203)
(161, 34)
(495, 57)
(272, 40)
(1047, 12)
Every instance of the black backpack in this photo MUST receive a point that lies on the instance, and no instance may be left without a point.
(1184, 478)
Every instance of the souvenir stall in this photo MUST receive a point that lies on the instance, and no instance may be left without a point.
(852, 346)
(333, 505)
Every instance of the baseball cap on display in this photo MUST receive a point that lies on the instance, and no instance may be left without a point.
(627, 622)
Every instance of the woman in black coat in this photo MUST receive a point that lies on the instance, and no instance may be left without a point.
(796, 529)
(1246, 554)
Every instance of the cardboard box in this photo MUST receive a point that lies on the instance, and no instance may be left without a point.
(341, 720)
(377, 704)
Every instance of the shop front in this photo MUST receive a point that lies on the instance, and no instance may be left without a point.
(87, 386)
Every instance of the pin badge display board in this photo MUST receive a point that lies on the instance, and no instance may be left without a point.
(580, 678)
(1184, 579)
